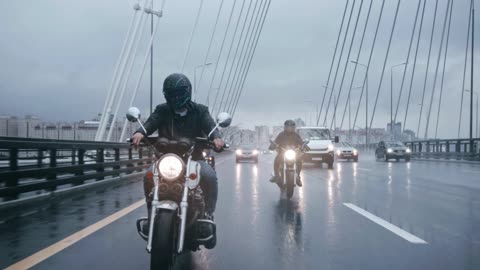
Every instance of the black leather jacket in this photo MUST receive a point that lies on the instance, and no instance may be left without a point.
(197, 123)
(288, 139)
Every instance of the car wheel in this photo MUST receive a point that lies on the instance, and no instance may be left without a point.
(385, 157)
(397, 159)
(355, 159)
(407, 159)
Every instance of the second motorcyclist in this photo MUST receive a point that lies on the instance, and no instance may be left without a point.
(287, 138)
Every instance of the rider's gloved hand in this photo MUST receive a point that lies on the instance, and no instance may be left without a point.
(218, 145)
(137, 138)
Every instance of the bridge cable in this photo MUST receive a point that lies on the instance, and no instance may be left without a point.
(119, 60)
(142, 70)
(333, 60)
(252, 55)
(406, 61)
(365, 79)
(443, 71)
(346, 65)
(428, 65)
(126, 80)
(248, 50)
(227, 61)
(199, 81)
(355, 68)
(111, 98)
(237, 47)
(414, 64)
(465, 68)
(192, 34)
(385, 63)
(436, 69)
(339, 62)
(217, 62)
(242, 56)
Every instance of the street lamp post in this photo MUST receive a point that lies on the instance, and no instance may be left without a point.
(366, 100)
(392, 133)
(476, 105)
(195, 86)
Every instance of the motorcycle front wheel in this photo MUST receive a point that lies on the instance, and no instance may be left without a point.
(163, 243)
(290, 184)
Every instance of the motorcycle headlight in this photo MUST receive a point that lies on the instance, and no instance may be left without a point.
(170, 167)
(255, 152)
(408, 150)
(290, 155)
(204, 154)
(239, 152)
(330, 147)
(389, 150)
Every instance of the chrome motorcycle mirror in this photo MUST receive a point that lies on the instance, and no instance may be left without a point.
(133, 114)
(224, 119)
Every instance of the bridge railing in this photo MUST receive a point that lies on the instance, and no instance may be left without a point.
(33, 166)
(455, 149)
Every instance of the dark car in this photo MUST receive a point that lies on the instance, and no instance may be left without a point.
(246, 153)
(392, 150)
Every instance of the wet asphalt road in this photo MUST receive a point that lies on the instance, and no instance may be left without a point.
(257, 229)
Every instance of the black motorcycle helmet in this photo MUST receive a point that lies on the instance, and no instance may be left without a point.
(289, 126)
(177, 91)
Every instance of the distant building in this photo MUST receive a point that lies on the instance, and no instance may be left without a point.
(33, 127)
(8, 126)
(263, 135)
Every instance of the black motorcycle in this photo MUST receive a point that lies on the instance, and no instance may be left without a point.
(288, 172)
(177, 219)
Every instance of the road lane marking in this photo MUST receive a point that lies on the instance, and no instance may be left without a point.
(471, 171)
(389, 226)
(363, 169)
(48, 252)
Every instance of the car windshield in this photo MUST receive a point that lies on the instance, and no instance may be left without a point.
(394, 144)
(343, 144)
(314, 134)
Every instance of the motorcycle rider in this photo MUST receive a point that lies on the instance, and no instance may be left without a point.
(180, 117)
(287, 138)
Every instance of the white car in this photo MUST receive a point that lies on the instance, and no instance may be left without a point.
(344, 150)
(320, 144)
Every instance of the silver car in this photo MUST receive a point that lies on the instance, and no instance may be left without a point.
(344, 150)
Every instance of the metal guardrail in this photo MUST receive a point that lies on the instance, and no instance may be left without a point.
(454, 149)
(450, 149)
(37, 165)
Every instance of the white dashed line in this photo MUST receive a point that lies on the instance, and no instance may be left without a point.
(389, 226)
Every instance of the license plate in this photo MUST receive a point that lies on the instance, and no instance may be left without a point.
(317, 158)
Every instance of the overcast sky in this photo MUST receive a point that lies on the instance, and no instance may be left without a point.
(57, 57)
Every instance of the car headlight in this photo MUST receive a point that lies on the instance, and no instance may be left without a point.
(290, 155)
(389, 150)
(255, 152)
(239, 152)
(408, 150)
(339, 152)
(355, 152)
(330, 147)
(170, 167)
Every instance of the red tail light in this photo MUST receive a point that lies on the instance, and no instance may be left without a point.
(149, 175)
(193, 176)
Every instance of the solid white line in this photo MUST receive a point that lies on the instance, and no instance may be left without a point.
(389, 226)
(363, 169)
(46, 253)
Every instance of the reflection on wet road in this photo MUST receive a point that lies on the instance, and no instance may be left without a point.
(257, 229)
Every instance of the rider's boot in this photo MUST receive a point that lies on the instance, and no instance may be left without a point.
(208, 231)
(299, 181)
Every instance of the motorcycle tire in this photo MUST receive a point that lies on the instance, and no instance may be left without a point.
(163, 251)
(290, 184)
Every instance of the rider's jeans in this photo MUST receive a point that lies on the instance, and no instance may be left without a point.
(208, 183)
